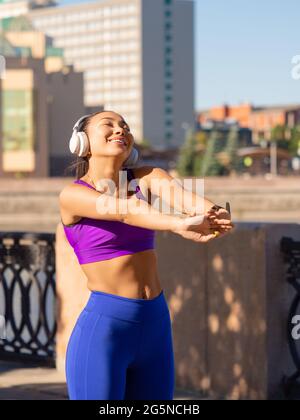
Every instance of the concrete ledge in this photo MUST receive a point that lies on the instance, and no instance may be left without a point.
(35, 201)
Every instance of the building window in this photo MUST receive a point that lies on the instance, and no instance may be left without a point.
(18, 140)
(168, 26)
(168, 62)
(168, 86)
(168, 38)
(107, 11)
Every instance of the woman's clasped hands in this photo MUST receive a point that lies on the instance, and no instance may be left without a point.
(204, 227)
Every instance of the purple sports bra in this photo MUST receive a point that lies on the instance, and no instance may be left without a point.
(96, 240)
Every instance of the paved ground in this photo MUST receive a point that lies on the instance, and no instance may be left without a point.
(27, 382)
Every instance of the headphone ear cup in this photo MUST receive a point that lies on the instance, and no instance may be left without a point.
(135, 156)
(83, 144)
(132, 159)
(74, 143)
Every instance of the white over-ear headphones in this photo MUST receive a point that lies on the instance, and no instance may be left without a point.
(79, 144)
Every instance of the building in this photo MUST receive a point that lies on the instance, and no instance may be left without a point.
(260, 120)
(223, 128)
(10, 8)
(259, 161)
(40, 99)
(239, 113)
(137, 59)
(263, 119)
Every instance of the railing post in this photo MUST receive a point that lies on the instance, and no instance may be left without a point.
(291, 252)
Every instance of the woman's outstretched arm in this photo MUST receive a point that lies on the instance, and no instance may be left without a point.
(80, 201)
(170, 192)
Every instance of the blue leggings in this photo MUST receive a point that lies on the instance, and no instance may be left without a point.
(121, 349)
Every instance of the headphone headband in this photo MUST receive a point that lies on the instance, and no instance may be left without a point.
(77, 124)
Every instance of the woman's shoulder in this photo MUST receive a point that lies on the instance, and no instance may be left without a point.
(143, 171)
(66, 188)
(147, 173)
(69, 188)
(75, 184)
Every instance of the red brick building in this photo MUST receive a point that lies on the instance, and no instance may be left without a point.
(258, 119)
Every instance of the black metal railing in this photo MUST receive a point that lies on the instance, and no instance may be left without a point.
(291, 252)
(27, 296)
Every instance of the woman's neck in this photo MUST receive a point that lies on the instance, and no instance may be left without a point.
(100, 169)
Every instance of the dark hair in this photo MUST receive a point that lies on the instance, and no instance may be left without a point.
(81, 164)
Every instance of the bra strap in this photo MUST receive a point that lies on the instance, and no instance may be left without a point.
(79, 181)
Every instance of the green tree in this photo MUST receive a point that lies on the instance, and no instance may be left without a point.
(294, 143)
(232, 144)
(201, 143)
(280, 134)
(210, 166)
(287, 138)
(197, 164)
(185, 165)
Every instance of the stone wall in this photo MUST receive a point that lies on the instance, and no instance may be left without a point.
(33, 204)
(228, 301)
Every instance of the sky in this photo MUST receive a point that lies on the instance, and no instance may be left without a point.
(244, 51)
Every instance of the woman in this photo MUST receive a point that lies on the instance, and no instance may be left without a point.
(121, 345)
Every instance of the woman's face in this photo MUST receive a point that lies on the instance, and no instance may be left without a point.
(109, 135)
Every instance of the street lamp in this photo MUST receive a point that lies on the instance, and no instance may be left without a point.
(273, 157)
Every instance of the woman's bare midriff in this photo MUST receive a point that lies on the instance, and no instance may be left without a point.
(133, 276)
